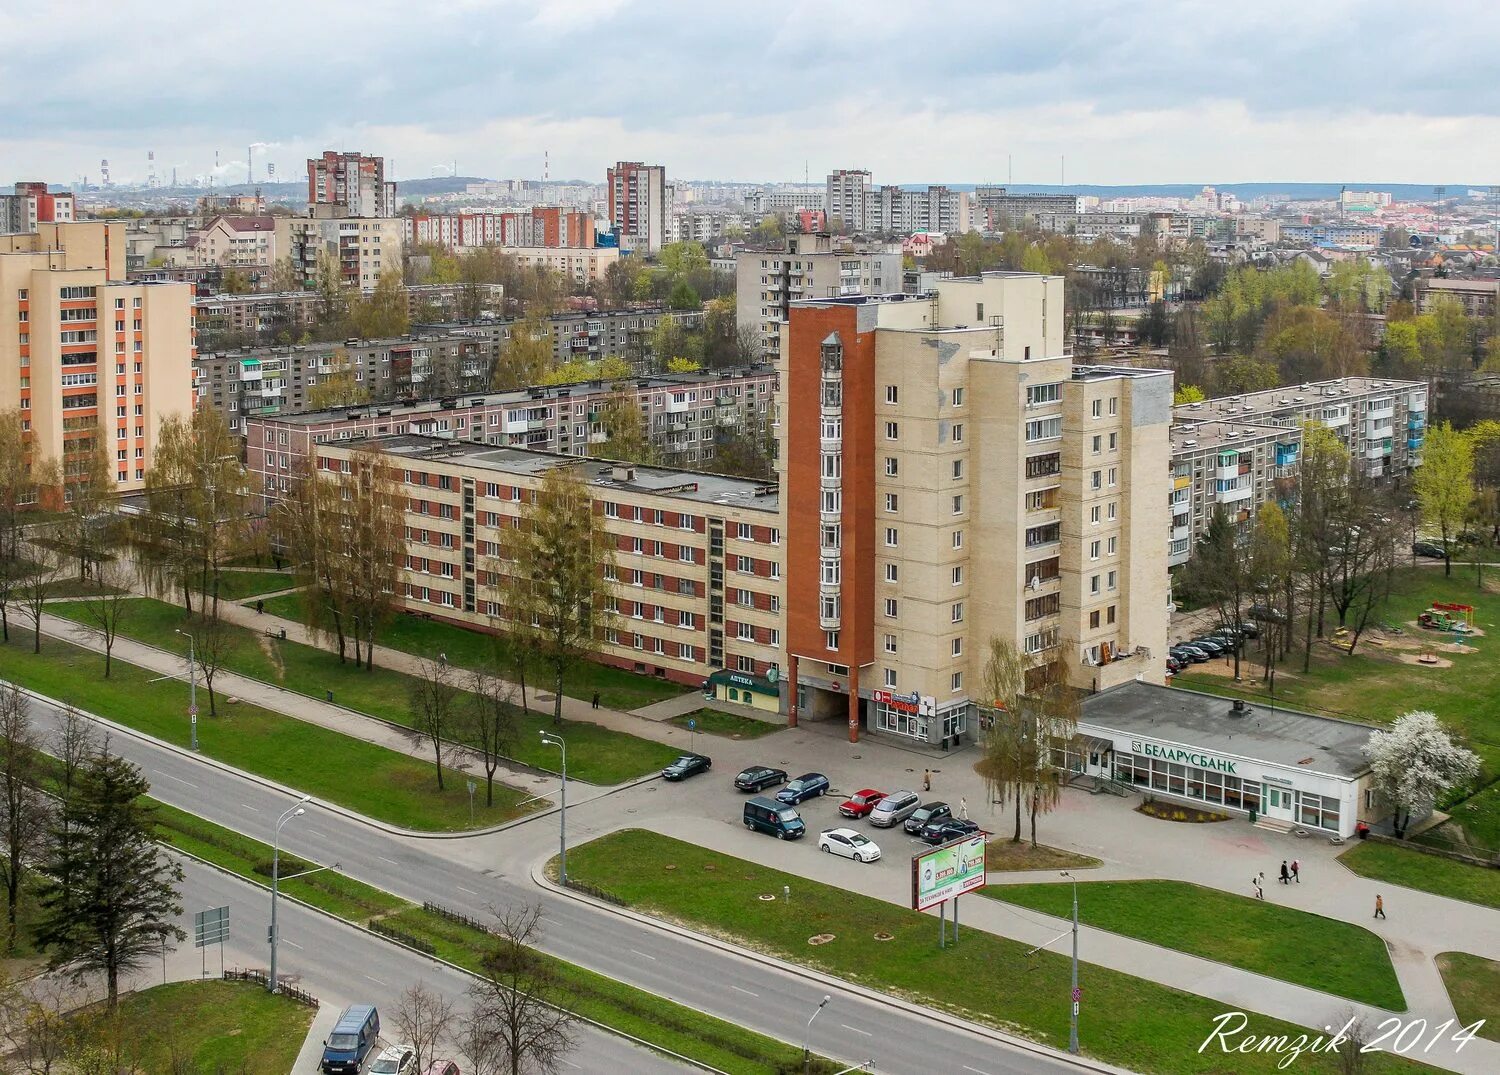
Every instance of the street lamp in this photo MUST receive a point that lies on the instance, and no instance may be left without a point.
(192, 689)
(1074, 995)
(807, 1035)
(291, 812)
(553, 739)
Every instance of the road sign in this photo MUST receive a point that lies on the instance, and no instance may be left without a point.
(692, 724)
(1077, 994)
(472, 787)
(210, 926)
(192, 711)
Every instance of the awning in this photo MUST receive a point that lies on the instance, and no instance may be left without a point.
(744, 681)
(1095, 745)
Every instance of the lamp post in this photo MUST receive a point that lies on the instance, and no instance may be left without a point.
(807, 1035)
(291, 812)
(553, 739)
(192, 690)
(1074, 995)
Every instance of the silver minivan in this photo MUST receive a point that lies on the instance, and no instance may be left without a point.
(894, 809)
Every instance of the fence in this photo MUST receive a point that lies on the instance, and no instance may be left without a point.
(253, 974)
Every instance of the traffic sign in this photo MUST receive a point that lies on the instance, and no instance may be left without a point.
(1077, 994)
(192, 711)
(210, 926)
(692, 724)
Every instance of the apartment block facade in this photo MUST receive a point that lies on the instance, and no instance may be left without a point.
(352, 181)
(638, 198)
(847, 200)
(949, 476)
(267, 314)
(32, 204)
(361, 247)
(996, 208)
(85, 354)
(548, 226)
(696, 585)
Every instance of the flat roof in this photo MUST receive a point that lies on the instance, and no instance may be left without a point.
(1257, 406)
(658, 481)
(1192, 437)
(1278, 736)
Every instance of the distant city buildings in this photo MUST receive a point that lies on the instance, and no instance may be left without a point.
(352, 184)
(638, 197)
(549, 226)
(848, 200)
(361, 248)
(32, 204)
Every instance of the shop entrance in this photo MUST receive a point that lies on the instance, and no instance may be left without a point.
(1276, 802)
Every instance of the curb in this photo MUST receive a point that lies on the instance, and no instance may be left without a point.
(932, 1014)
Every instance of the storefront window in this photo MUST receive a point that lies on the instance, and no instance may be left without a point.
(912, 725)
(1317, 811)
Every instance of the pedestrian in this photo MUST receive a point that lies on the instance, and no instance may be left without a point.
(926, 779)
(442, 660)
(1296, 871)
(1286, 874)
(1255, 884)
(963, 808)
(1379, 906)
(260, 606)
(596, 700)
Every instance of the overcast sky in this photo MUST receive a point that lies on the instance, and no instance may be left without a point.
(1162, 91)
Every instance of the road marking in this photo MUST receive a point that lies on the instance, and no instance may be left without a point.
(747, 992)
(470, 891)
(377, 981)
(315, 834)
(856, 1029)
(393, 862)
(976, 1071)
(570, 1063)
(179, 779)
(245, 806)
(294, 944)
(643, 954)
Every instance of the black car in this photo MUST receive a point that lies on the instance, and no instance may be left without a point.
(759, 777)
(1249, 629)
(1267, 613)
(686, 766)
(1429, 549)
(1187, 652)
(925, 814)
(1214, 646)
(806, 786)
(949, 828)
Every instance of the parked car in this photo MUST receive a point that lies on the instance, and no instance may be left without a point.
(395, 1060)
(442, 1067)
(759, 777)
(927, 812)
(1214, 647)
(950, 828)
(807, 786)
(894, 809)
(1229, 642)
(849, 844)
(1430, 550)
(686, 766)
(1266, 613)
(773, 818)
(352, 1039)
(1191, 653)
(861, 802)
(1249, 629)
(1175, 664)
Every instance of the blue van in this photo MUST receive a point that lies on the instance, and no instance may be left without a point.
(354, 1035)
(773, 818)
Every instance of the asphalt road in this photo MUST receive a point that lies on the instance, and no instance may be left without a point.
(731, 987)
(341, 965)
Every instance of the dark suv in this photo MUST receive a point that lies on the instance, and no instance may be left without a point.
(927, 812)
(806, 786)
(759, 777)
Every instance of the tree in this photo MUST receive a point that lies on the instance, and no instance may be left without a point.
(1155, 327)
(626, 436)
(1444, 484)
(383, 312)
(1003, 679)
(332, 299)
(24, 812)
(683, 365)
(669, 340)
(1053, 708)
(214, 643)
(1401, 349)
(18, 492)
(488, 718)
(37, 584)
(1188, 393)
(1220, 570)
(1242, 375)
(1415, 763)
(89, 527)
(1271, 574)
(1359, 546)
(432, 697)
(338, 387)
(109, 895)
(557, 583)
(527, 356)
(423, 1018)
(683, 297)
(515, 1003)
(235, 282)
(107, 606)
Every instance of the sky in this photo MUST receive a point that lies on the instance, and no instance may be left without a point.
(1167, 91)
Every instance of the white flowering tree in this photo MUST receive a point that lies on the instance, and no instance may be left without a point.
(1415, 763)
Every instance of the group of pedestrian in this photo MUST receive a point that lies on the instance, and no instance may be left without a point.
(1291, 873)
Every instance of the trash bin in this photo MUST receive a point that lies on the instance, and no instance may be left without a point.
(1253, 815)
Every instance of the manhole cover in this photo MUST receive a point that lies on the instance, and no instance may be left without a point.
(766, 897)
(883, 936)
(670, 866)
(821, 938)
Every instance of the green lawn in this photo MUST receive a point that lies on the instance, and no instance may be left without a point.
(596, 754)
(1478, 818)
(1257, 935)
(1126, 1021)
(1001, 856)
(366, 778)
(77, 587)
(1474, 987)
(1429, 873)
(730, 725)
(238, 585)
(618, 689)
(216, 1025)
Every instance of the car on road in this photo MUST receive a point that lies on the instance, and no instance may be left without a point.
(950, 828)
(861, 802)
(442, 1067)
(927, 812)
(894, 809)
(759, 777)
(686, 766)
(807, 786)
(352, 1039)
(773, 818)
(395, 1060)
(849, 844)
(1429, 550)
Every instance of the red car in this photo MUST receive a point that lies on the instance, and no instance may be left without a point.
(860, 803)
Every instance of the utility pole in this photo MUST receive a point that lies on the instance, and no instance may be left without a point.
(291, 812)
(1076, 994)
(192, 690)
(552, 739)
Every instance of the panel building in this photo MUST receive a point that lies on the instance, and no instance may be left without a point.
(638, 195)
(352, 181)
(32, 204)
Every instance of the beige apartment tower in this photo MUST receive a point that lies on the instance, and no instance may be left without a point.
(85, 354)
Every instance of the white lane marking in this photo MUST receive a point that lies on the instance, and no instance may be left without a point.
(856, 1029)
(747, 992)
(643, 955)
(976, 1071)
(179, 779)
(393, 862)
(470, 891)
(315, 834)
(246, 806)
(294, 944)
(377, 981)
(570, 1063)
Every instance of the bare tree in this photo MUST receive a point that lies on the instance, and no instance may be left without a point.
(24, 813)
(424, 1018)
(433, 698)
(1053, 708)
(36, 1026)
(515, 1003)
(214, 643)
(107, 606)
(490, 721)
(37, 585)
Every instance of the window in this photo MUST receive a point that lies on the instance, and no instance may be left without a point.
(892, 431)
(890, 643)
(890, 607)
(1113, 544)
(958, 647)
(892, 573)
(1114, 405)
(831, 640)
(833, 465)
(1043, 429)
(1094, 514)
(892, 394)
(1096, 479)
(958, 433)
(1109, 614)
(1114, 476)
(892, 501)
(891, 466)
(892, 537)
(958, 539)
(956, 612)
(1038, 394)
(1093, 584)
(747, 532)
(1042, 466)
(958, 505)
(1094, 619)
(1098, 444)
(958, 469)
(1114, 441)
(958, 681)
(1096, 408)
(890, 677)
(958, 575)
(1110, 579)
(1093, 550)
(958, 397)
(1112, 511)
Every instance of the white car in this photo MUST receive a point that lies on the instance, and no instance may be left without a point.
(848, 843)
(395, 1060)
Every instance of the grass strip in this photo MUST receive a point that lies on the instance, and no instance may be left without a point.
(729, 725)
(1473, 984)
(1128, 1021)
(209, 1026)
(1427, 873)
(1280, 942)
(237, 585)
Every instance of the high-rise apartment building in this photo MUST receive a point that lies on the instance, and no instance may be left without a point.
(361, 247)
(950, 476)
(86, 355)
(996, 208)
(550, 226)
(33, 204)
(848, 200)
(353, 181)
(638, 197)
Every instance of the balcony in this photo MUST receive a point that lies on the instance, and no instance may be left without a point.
(1413, 443)
(1416, 423)
(1235, 494)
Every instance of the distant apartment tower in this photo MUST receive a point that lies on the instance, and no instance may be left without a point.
(351, 180)
(996, 208)
(549, 226)
(894, 210)
(86, 355)
(361, 247)
(848, 200)
(33, 204)
(638, 197)
(949, 477)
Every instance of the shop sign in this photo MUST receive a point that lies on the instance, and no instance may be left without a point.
(1183, 757)
(901, 703)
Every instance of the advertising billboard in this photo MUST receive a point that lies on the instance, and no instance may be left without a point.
(947, 871)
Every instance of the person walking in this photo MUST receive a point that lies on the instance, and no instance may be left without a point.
(1255, 884)
(442, 660)
(1296, 871)
(1379, 906)
(596, 700)
(926, 779)
(1286, 874)
(963, 808)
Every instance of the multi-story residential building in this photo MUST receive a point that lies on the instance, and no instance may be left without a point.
(361, 247)
(696, 584)
(996, 209)
(897, 211)
(352, 181)
(768, 282)
(85, 354)
(580, 336)
(785, 201)
(847, 201)
(1480, 298)
(950, 476)
(267, 315)
(1224, 464)
(247, 243)
(582, 265)
(683, 413)
(33, 204)
(638, 198)
(540, 226)
(1360, 235)
(706, 224)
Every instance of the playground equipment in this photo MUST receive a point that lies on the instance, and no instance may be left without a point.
(1443, 616)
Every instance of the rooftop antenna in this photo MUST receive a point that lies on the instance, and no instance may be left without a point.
(546, 165)
(1062, 170)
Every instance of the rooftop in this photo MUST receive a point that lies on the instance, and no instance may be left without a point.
(1193, 719)
(1191, 437)
(1258, 406)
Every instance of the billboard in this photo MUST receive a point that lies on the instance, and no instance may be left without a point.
(947, 871)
